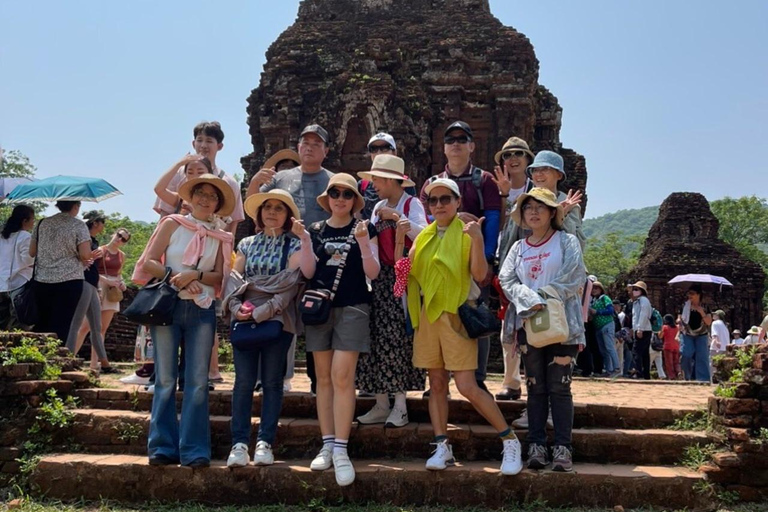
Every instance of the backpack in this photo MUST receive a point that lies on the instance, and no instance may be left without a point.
(657, 322)
(476, 178)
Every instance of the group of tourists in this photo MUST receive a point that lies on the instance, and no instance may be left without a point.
(383, 282)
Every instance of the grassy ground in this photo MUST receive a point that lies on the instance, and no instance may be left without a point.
(51, 506)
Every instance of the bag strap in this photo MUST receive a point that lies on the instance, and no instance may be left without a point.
(13, 257)
(343, 261)
(286, 249)
(37, 245)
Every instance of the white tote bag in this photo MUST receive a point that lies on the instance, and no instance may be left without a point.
(548, 325)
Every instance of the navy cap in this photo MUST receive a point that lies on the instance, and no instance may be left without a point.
(460, 125)
(317, 130)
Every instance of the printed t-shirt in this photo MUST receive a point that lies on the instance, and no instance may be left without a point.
(539, 264)
(329, 244)
(263, 254)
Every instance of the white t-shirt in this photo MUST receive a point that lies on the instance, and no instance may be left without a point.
(720, 336)
(737, 341)
(174, 255)
(415, 213)
(237, 215)
(538, 264)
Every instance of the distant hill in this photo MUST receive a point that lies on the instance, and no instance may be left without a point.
(623, 222)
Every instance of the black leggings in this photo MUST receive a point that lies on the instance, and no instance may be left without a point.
(56, 303)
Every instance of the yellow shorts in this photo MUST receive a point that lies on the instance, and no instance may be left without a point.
(443, 344)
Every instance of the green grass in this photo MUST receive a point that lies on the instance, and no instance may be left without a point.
(105, 506)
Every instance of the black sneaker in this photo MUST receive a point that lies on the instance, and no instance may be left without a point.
(509, 394)
(537, 456)
(162, 460)
(199, 463)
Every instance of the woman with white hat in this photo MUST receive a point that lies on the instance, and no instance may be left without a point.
(545, 263)
(387, 368)
(273, 265)
(347, 248)
(198, 256)
(641, 327)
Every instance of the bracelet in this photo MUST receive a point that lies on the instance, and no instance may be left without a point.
(200, 276)
(503, 195)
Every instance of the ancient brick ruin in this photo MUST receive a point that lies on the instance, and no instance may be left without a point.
(684, 240)
(410, 67)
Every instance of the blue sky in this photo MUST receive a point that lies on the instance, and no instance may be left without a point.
(660, 96)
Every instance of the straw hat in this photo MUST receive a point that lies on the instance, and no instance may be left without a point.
(341, 180)
(254, 202)
(283, 154)
(388, 166)
(641, 285)
(754, 330)
(513, 144)
(598, 284)
(542, 195)
(226, 207)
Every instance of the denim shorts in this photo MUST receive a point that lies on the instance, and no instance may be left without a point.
(347, 328)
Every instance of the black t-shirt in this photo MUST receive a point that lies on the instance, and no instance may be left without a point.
(91, 274)
(329, 244)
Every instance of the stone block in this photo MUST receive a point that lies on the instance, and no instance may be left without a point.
(746, 390)
(113, 394)
(740, 421)
(753, 477)
(737, 434)
(720, 475)
(736, 406)
(727, 459)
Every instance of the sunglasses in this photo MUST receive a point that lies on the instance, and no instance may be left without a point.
(507, 156)
(379, 149)
(335, 193)
(461, 139)
(122, 238)
(443, 200)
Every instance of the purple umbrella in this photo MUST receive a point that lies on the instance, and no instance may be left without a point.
(701, 279)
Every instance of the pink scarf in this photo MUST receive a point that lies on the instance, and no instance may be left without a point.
(194, 250)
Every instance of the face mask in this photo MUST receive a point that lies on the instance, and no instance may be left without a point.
(636, 293)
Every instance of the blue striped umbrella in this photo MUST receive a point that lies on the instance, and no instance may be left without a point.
(63, 188)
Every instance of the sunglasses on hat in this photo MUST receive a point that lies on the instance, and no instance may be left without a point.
(507, 156)
(335, 193)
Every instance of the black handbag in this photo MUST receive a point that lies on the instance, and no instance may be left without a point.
(250, 335)
(154, 303)
(24, 299)
(479, 320)
(315, 305)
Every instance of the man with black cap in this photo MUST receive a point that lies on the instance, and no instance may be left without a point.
(480, 198)
(308, 180)
(304, 183)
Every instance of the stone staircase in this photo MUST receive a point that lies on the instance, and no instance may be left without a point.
(623, 456)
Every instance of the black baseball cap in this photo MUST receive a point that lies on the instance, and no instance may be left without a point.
(317, 130)
(460, 125)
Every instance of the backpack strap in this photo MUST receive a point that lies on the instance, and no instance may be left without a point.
(407, 206)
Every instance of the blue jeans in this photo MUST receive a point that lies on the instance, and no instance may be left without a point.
(193, 440)
(628, 359)
(549, 385)
(606, 342)
(271, 362)
(695, 361)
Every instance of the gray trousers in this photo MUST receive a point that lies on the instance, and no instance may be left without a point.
(89, 307)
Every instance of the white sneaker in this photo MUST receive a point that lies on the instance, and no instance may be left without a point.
(135, 379)
(442, 457)
(375, 415)
(342, 466)
(324, 459)
(238, 457)
(262, 455)
(397, 418)
(287, 385)
(511, 457)
(522, 421)
(150, 389)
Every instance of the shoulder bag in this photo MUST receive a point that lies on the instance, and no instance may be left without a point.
(548, 325)
(154, 303)
(478, 319)
(251, 335)
(114, 293)
(315, 305)
(23, 298)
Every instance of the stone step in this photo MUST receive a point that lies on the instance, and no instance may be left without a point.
(128, 478)
(126, 432)
(302, 405)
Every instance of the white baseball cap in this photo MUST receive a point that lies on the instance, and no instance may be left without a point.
(443, 182)
(385, 137)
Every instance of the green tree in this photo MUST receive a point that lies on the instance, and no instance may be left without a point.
(15, 164)
(744, 225)
(611, 254)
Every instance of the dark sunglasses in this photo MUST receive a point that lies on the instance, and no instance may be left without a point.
(444, 200)
(122, 238)
(379, 149)
(336, 193)
(507, 156)
(461, 139)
